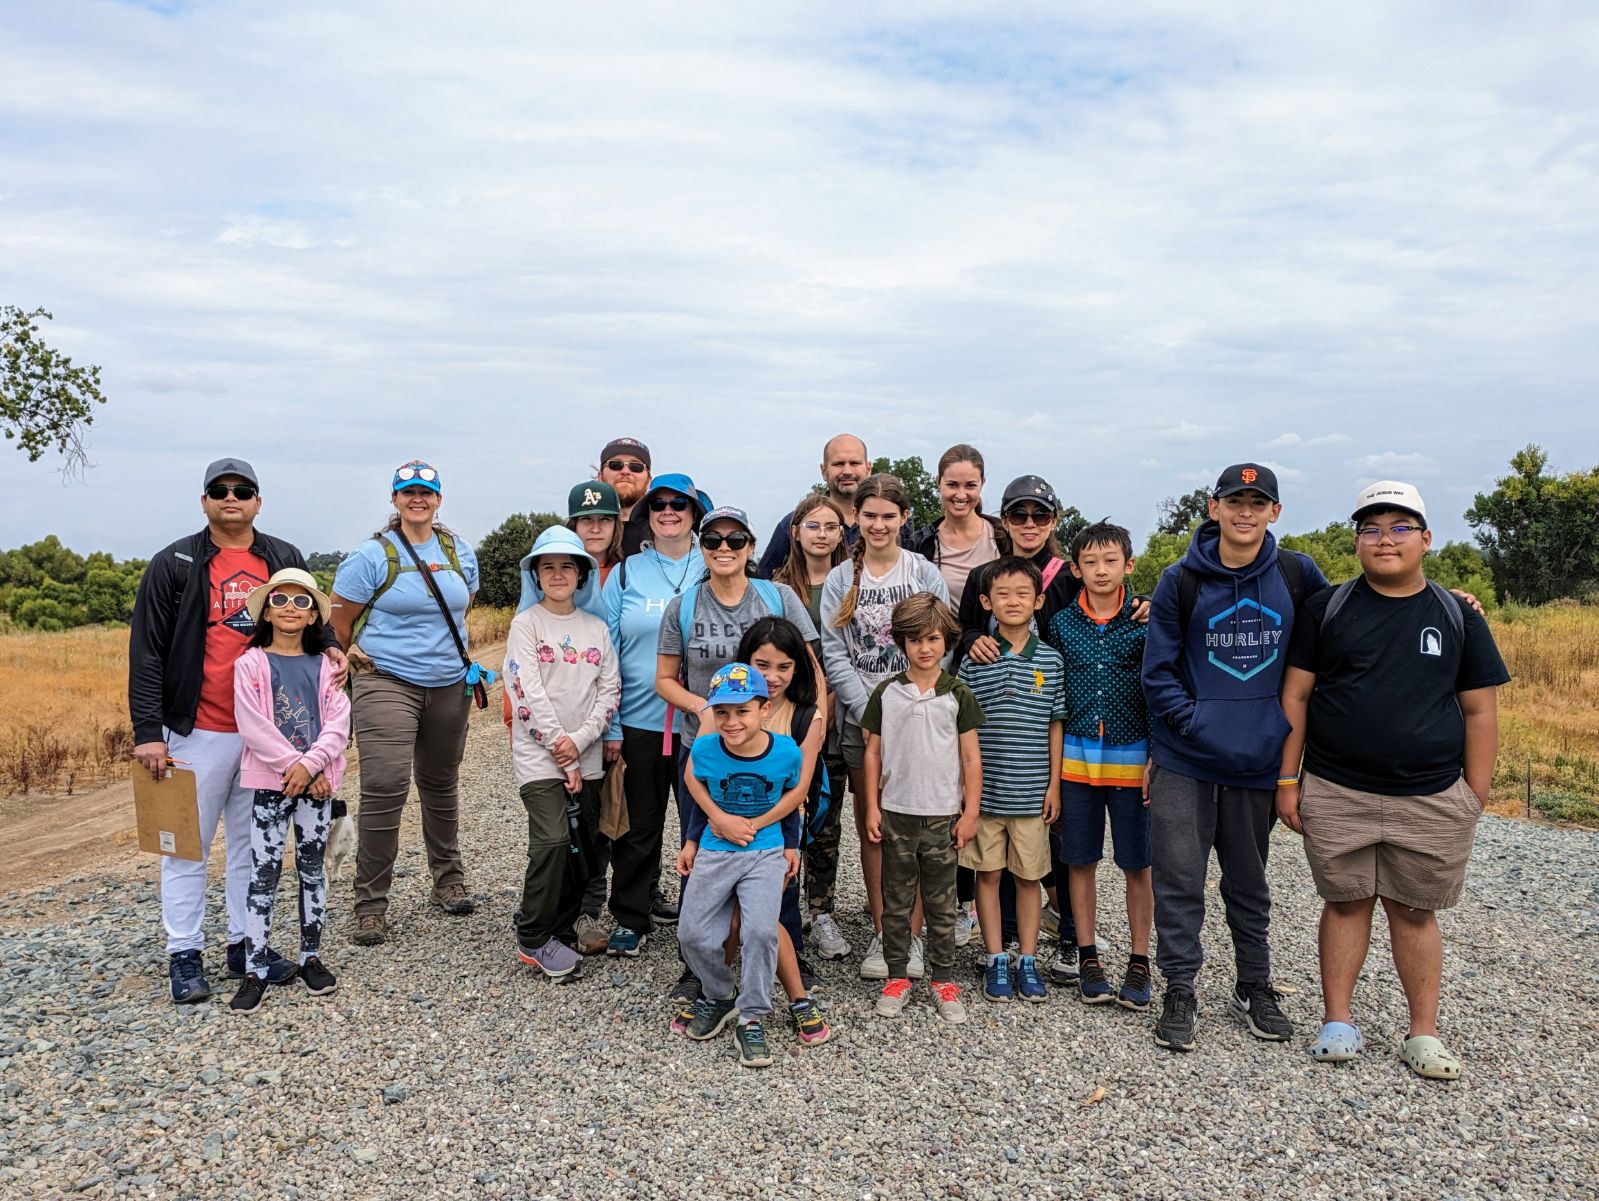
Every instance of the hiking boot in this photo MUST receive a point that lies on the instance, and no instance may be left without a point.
(892, 1000)
(873, 965)
(591, 936)
(250, 995)
(371, 929)
(710, 1018)
(1063, 968)
(1259, 1007)
(317, 979)
(996, 979)
(279, 969)
(1175, 1028)
(454, 899)
(687, 989)
(1029, 983)
(916, 965)
(810, 1023)
(186, 974)
(752, 1049)
(1134, 992)
(1092, 986)
(947, 1001)
(965, 927)
(555, 959)
(826, 939)
(625, 943)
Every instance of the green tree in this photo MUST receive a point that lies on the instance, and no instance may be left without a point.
(500, 552)
(1539, 532)
(923, 488)
(1332, 548)
(1179, 514)
(1461, 565)
(1160, 552)
(1068, 525)
(46, 403)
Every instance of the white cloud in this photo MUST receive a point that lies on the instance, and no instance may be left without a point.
(1394, 464)
(1290, 440)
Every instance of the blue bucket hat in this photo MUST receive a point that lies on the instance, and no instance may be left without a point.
(682, 485)
(558, 540)
(416, 474)
(735, 684)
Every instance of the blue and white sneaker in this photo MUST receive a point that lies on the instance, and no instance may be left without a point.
(996, 979)
(1092, 986)
(186, 973)
(625, 943)
(1029, 981)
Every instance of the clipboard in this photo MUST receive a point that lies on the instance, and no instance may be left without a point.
(168, 813)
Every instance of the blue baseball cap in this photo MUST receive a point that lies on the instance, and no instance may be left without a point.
(735, 684)
(416, 474)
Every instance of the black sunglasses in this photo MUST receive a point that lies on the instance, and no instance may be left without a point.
(659, 504)
(1020, 516)
(240, 491)
(624, 465)
(737, 540)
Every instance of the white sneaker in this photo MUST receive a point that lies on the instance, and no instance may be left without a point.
(965, 927)
(874, 966)
(825, 939)
(916, 968)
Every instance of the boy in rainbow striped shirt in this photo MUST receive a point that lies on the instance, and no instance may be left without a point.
(1105, 755)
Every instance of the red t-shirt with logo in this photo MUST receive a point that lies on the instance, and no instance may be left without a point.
(235, 573)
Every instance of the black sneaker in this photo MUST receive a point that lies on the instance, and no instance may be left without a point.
(1259, 1007)
(807, 975)
(1063, 968)
(662, 911)
(186, 974)
(316, 977)
(1175, 1029)
(687, 989)
(279, 969)
(250, 995)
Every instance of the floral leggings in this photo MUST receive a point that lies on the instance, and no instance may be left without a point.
(269, 832)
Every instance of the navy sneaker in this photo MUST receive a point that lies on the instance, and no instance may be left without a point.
(279, 969)
(1134, 992)
(625, 943)
(996, 979)
(1029, 983)
(1092, 986)
(187, 976)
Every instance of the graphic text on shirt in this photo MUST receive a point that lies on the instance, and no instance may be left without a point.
(1248, 643)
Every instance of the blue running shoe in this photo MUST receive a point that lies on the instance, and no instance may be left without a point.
(1134, 992)
(1092, 986)
(1029, 981)
(625, 943)
(187, 976)
(996, 979)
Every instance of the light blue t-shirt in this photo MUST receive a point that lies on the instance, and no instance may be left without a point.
(747, 787)
(405, 634)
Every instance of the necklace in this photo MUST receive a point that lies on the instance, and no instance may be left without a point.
(688, 564)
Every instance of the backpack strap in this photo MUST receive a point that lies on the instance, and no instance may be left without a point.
(393, 567)
(770, 596)
(1292, 569)
(1340, 597)
(1451, 604)
(1051, 570)
(1187, 597)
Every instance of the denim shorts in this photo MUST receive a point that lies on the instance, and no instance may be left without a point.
(1082, 826)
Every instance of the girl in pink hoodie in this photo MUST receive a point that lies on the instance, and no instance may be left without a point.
(295, 725)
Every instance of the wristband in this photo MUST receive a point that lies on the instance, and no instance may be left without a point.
(1282, 780)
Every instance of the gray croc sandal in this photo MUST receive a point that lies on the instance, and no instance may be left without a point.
(1338, 1042)
(1429, 1058)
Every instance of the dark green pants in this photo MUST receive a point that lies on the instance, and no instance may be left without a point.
(919, 853)
(551, 894)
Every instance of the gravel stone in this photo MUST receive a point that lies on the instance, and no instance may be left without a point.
(443, 1068)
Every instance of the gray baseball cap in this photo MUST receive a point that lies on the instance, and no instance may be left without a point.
(221, 467)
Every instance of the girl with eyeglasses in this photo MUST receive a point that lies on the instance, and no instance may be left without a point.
(410, 706)
(294, 722)
(727, 601)
(816, 546)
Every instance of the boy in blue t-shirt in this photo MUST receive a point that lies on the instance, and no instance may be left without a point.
(746, 780)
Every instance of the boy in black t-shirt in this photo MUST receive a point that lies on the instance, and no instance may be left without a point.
(1390, 690)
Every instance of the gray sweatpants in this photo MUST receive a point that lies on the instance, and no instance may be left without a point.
(1187, 818)
(754, 879)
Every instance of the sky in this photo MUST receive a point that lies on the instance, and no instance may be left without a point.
(1118, 245)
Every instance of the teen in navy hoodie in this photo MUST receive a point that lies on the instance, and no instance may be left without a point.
(1219, 629)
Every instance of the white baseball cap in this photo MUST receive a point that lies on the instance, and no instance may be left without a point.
(1389, 494)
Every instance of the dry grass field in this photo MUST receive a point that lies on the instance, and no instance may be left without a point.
(64, 727)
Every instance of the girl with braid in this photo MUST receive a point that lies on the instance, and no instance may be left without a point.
(859, 653)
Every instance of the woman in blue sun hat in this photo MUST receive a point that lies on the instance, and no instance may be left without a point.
(410, 705)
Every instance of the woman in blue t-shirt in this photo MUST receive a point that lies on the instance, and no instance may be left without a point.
(410, 704)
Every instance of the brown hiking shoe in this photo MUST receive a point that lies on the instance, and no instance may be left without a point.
(371, 929)
(453, 898)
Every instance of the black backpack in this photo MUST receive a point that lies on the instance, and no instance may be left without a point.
(1289, 564)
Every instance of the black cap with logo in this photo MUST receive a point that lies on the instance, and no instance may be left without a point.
(1248, 477)
(1030, 487)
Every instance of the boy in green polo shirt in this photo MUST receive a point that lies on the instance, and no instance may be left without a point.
(1023, 696)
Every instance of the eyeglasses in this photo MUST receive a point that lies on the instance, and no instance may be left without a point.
(417, 473)
(634, 466)
(1371, 535)
(820, 527)
(659, 504)
(737, 540)
(1020, 516)
(281, 600)
(240, 491)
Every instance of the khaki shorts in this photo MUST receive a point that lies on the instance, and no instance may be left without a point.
(1409, 849)
(1019, 843)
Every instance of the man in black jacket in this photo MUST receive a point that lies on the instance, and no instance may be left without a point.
(189, 625)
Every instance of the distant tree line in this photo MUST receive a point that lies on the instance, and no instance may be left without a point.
(46, 586)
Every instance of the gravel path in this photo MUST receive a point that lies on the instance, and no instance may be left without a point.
(441, 1068)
